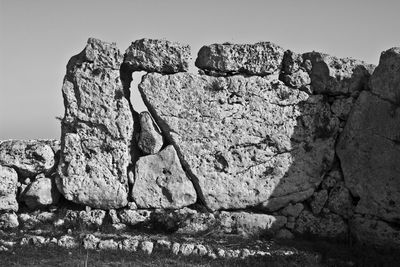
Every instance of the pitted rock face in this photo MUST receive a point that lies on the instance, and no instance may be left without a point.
(150, 138)
(262, 58)
(40, 193)
(369, 152)
(154, 55)
(244, 141)
(324, 74)
(8, 189)
(385, 80)
(96, 130)
(160, 182)
(28, 157)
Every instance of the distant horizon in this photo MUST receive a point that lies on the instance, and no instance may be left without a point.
(39, 37)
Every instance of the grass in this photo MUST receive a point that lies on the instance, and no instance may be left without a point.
(55, 256)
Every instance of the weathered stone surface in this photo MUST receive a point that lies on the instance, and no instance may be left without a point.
(369, 152)
(324, 73)
(262, 58)
(244, 141)
(150, 138)
(293, 210)
(97, 129)
(8, 220)
(147, 247)
(8, 189)
(40, 193)
(160, 182)
(370, 231)
(250, 224)
(341, 107)
(318, 200)
(329, 225)
(154, 55)
(134, 217)
(385, 80)
(28, 157)
(340, 200)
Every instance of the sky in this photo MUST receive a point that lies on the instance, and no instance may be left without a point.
(37, 38)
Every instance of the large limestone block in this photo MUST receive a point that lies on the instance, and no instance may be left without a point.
(369, 152)
(385, 80)
(160, 182)
(28, 157)
(324, 74)
(255, 59)
(154, 55)
(8, 189)
(97, 129)
(243, 141)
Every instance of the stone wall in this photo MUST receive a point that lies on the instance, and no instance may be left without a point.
(263, 141)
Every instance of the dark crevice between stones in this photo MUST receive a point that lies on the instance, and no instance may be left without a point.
(126, 79)
(165, 130)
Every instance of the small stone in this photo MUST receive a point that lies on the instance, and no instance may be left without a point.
(250, 224)
(108, 244)
(160, 182)
(318, 201)
(90, 241)
(114, 216)
(68, 242)
(132, 205)
(147, 247)
(221, 253)
(200, 250)
(163, 244)
(245, 253)
(130, 244)
(8, 221)
(134, 217)
(340, 201)
(153, 55)
(284, 234)
(186, 249)
(118, 226)
(175, 248)
(150, 138)
(41, 193)
(93, 218)
(293, 210)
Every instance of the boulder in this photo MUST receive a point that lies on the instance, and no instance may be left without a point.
(97, 129)
(368, 149)
(324, 74)
(8, 189)
(160, 182)
(385, 81)
(244, 141)
(261, 58)
(150, 138)
(250, 224)
(28, 157)
(41, 193)
(152, 55)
